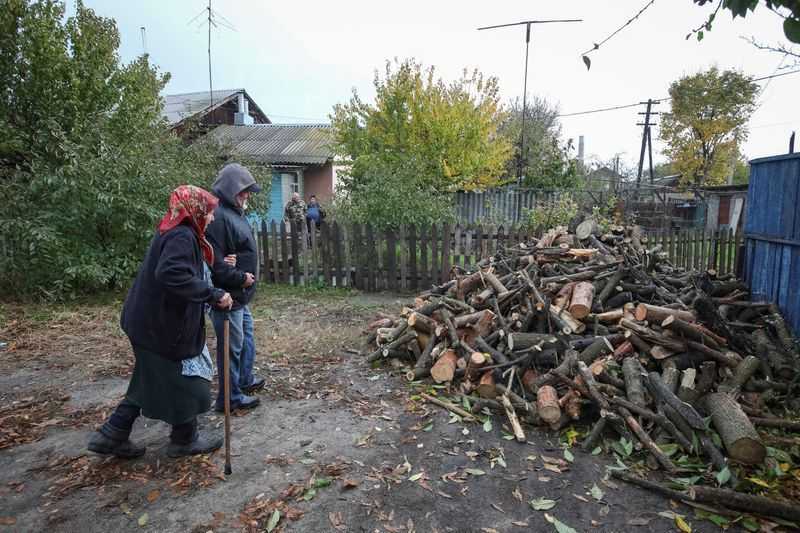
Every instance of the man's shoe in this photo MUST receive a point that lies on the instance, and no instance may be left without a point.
(256, 385)
(202, 444)
(247, 402)
(124, 449)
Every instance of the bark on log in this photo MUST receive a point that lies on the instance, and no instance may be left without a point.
(661, 420)
(579, 276)
(686, 389)
(547, 404)
(422, 368)
(600, 347)
(648, 443)
(444, 368)
(523, 341)
(656, 315)
(594, 435)
(660, 391)
(689, 331)
(780, 423)
(612, 316)
(498, 287)
(610, 286)
(562, 298)
(738, 434)
(528, 379)
(743, 372)
(727, 358)
(497, 356)
(570, 321)
(777, 360)
(619, 299)
(632, 371)
(571, 405)
(586, 228)
(421, 323)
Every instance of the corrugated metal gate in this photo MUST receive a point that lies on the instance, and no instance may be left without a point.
(772, 232)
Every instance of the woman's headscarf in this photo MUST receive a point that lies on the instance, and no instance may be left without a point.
(191, 204)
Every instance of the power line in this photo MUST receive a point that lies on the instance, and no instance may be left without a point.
(625, 106)
(628, 23)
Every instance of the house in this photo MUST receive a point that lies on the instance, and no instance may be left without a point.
(206, 111)
(725, 207)
(604, 179)
(300, 156)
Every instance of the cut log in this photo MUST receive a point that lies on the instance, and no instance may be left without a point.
(743, 372)
(444, 368)
(689, 331)
(727, 358)
(421, 323)
(641, 346)
(656, 315)
(648, 443)
(499, 289)
(570, 321)
(619, 299)
(529, 378)
(607, 317)
(686, 389)
(600, 347)
(594, 435)
(781, 330)
(547, 404)
(486, 387)
(422, 368)
(586, 228)
(661, 353)
(581, 302)
(475, 362)
(778, 362)
(610, 286)
(738, 434)
(562, 298)
(780, 423)
(570, 404)
(632, 371)
(660, 391)
(523, 341)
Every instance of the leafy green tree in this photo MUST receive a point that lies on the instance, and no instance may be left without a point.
(788, 10)
(707, 124)
(422, 137)
(86, 162)
(547, 161)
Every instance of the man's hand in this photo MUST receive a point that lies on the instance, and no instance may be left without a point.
(249, 279)
(225, 303)
(230, 260)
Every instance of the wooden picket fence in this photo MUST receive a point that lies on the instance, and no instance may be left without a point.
(411, 258)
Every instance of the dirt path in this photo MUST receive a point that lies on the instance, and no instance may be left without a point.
(336, 446)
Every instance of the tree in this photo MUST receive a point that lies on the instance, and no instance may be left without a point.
(788, 10)
(547, 159)
(421, 136)
(86, 162)
(707, 124)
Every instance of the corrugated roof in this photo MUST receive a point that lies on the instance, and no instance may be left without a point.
(178, 107)
(277, 143)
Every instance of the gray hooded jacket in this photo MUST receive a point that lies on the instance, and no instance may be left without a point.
(230, 233)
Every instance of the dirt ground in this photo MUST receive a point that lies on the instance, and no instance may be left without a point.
(335, 446)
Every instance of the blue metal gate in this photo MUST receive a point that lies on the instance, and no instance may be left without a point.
(772, 232)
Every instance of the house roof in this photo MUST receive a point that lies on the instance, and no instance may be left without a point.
(179, 107)
(277, 143)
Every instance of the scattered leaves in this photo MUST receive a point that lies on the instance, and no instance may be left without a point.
(542, 504)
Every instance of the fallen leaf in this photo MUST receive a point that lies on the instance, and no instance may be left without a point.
(517, 494)
(520, 524)
(553, 468)
(273, 520)
(542, 504)
(415, 476)
(596, 493)
(7, 520)
(568, 455)
(561, 527)
(498, 508)
(581, 498)
(125, 508)
(336, 521)
(444, 495)
(153, 495)
(489, 530)
(682, 525)
(349, 483)
(143, 520)
(474, 471)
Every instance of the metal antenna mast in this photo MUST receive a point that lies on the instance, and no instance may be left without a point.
(523, 157)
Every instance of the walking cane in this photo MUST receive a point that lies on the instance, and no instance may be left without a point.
(226, 369)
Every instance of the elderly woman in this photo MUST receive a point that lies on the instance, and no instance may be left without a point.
(164, 319)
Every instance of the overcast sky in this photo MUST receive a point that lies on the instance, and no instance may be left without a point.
(299, 58)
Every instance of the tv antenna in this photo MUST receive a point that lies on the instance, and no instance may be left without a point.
(527, 24)
(215, 19)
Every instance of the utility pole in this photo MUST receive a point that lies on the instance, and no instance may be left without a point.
(210, 86)
(647, 141)
(523, 156)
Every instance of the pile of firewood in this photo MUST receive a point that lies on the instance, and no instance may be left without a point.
(602, 328)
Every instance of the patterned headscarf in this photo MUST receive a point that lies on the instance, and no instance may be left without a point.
(191, 204)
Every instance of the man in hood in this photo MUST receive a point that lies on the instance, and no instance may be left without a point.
(230, 234)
